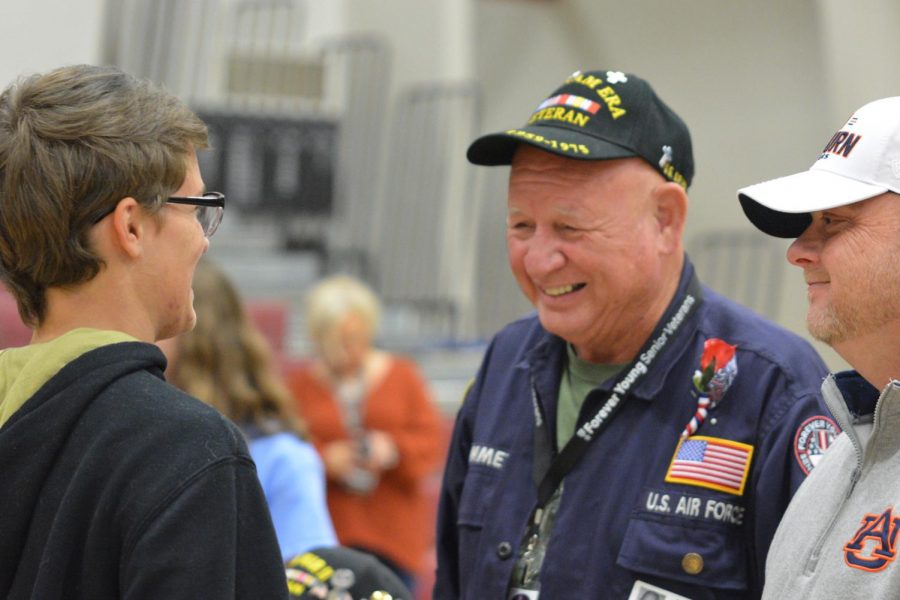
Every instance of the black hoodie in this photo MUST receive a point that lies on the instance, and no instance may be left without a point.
(116, 485)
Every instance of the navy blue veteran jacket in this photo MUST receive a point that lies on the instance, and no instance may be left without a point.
(626, 518)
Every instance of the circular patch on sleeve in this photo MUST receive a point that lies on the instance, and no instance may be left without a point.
(813, 438)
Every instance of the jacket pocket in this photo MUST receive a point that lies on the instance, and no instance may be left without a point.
(686, 551)
(476, 498)
(474, 505)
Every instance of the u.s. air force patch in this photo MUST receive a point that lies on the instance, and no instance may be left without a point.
(712, 463)
(814, 436)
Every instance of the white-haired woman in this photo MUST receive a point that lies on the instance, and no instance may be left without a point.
(370, 415)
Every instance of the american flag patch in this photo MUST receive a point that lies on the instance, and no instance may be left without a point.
(712, 463)
(570, 100)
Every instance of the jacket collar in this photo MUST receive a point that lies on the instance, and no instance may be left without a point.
(858, 395)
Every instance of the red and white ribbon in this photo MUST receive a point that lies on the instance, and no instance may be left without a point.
(698, 418)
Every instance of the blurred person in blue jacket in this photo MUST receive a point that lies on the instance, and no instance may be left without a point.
(639, 436)
(226, 362)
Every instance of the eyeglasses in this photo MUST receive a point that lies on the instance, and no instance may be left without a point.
(210, 207)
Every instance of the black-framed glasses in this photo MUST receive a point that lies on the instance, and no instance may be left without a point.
(210, 207)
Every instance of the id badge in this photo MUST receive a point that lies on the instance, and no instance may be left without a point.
(645, 591)
(523, 594)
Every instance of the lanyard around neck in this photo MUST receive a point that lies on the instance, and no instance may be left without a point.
(549, 468)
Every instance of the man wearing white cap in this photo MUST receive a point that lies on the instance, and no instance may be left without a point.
(838, 538)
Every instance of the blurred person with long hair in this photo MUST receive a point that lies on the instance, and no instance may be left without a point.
(372, 418)
(227, 363)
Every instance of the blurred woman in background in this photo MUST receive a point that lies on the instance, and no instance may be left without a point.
(227, 363)
(370, 415)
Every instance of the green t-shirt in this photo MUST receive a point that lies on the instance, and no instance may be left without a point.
(24, 370)
(578, 379)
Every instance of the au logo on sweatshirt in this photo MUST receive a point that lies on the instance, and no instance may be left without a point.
(873, 546)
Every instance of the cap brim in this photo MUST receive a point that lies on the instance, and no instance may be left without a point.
(498, 148)
(781, 207)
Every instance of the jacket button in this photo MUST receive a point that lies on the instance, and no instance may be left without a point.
(504, 550)
(692, 563)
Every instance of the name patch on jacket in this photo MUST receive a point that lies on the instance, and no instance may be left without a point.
(487, 456)
(712, 463)
(692, 507)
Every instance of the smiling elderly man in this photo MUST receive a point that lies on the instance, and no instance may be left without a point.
(651, 431)
(839, 536)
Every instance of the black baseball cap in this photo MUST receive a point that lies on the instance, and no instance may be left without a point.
(599, 115)
(338, 572)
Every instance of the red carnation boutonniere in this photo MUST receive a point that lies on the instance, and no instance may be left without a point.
(718, 368)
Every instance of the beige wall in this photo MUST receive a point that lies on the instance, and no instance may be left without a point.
(37, 35)
(860, 48)
(432, 40)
